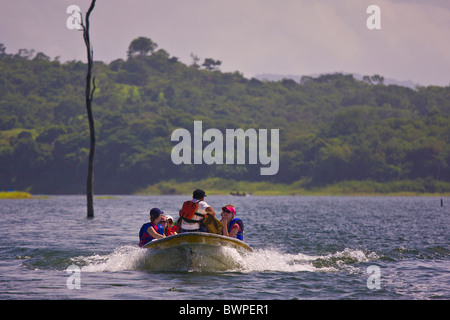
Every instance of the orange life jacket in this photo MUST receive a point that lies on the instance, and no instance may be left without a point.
(189, 209)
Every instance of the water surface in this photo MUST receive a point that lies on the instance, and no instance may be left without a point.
(304, 248)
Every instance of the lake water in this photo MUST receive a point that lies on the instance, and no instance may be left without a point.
(304, 248)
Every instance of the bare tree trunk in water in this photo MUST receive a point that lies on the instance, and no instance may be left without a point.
(89, 97)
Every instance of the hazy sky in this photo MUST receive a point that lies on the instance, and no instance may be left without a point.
(296, 37)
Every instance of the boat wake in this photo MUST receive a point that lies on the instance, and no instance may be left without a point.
(127, 258)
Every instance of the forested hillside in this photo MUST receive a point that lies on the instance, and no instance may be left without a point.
(333, 128)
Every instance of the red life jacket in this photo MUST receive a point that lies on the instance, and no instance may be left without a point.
(144, 236)
(240, 223)
(187, 213)
(189, 209)
(171, 231)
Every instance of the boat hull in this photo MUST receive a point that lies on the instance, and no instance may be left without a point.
(198, 238)
(197, 251)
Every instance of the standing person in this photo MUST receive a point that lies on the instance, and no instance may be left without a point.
(151, 230)
(232, 227)
(193, 212)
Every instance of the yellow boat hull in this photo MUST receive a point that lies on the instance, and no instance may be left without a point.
(197, 251)
(200, 239)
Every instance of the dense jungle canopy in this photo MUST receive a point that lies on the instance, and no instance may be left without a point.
(333, 128)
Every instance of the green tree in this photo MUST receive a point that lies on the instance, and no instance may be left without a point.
(140, 47)
(211, 64)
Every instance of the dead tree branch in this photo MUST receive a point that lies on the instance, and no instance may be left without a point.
(90, 88)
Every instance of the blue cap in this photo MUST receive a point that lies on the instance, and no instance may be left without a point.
(156, 212)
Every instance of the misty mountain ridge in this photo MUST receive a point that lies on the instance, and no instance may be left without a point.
(297, 78)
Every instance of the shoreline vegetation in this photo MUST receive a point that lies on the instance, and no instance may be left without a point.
(337, 134)
(221, 186)
(27, 195)
(15, 195)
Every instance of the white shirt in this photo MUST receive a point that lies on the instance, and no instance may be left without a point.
(202, 205)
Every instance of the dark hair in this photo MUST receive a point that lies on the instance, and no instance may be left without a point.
(155, 213)
(198, 194)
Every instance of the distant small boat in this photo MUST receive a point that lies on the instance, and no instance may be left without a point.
(238, 194)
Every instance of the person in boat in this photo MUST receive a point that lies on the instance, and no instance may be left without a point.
(162, 225)
(152, 230)
(170, 229)
(232, 227)
(193, 212)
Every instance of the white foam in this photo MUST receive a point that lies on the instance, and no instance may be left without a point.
(122, 259)
(260, 260)
(267, 260)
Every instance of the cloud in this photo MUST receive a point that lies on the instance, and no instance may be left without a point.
(413, 41)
